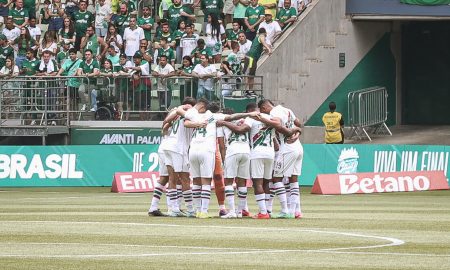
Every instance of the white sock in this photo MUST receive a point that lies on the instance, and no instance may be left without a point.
(242, 194)
(288, 191)
(205, 197)
(157, 193)
(172, 194)
(280, 192)
(229, 198)
(269, 197)
(196, 197)
(261, 201)
(168, 201)
(187, 195)
(294, 197)
(180, 195)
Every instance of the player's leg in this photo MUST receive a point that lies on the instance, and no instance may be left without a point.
(187, 193)
(197, 182)
(243, 173)
(287, 187)
(261, 169)
(290, 161)
(279, 190)
(219, 186)
(230, 174)
(171, 160)
(159, 187)
(206, 172)
(293, 182)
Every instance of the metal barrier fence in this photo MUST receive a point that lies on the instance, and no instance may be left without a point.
(58, 100)
(367, 112)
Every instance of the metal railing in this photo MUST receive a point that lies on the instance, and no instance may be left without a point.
(368, 112)
(50, 101)
(32, 101)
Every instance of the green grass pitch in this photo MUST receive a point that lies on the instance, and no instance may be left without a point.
(91, 228)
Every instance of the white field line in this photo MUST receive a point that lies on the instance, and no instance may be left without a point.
(393, 241)
(342, 250)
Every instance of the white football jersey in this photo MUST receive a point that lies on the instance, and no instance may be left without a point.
(287, 119)
(204, 139)
(261, 139)
(179, 137)
(236, 143)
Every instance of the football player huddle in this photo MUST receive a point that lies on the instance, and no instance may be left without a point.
(261, 144)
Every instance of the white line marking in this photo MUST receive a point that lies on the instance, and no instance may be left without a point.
(393, 241)
(341, 250)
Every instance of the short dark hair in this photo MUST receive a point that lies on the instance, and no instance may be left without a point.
(162, 56)
(189, 100)
(88, 50)
(213, 107)
(200, 42)
(72, 50)
(262, 31)
(332, 106)
(251, 107)
(264, 101)
(204, 101)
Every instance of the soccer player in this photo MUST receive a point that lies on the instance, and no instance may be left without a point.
(289, 161)
(237, 162)
(162, 182)
(202, 152)
(176, 153)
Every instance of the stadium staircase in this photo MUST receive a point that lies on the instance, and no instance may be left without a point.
(304, 69)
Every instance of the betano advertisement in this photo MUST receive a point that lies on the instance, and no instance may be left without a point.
(95, 165)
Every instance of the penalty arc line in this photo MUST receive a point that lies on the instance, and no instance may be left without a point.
(393, 242)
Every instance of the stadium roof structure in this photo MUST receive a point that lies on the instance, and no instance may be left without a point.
(394, 10)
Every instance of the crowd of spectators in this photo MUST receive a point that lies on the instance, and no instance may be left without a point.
(128, 38)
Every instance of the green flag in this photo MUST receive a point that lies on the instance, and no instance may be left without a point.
(426, 2)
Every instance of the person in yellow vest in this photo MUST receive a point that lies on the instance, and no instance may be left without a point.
(334, 125)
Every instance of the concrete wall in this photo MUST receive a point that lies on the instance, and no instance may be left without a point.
(304, 67)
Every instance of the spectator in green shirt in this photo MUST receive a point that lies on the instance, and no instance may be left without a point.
(167, 51)
(187, 87)
(123, 20)
(19, 14)
(286, 15)
(90, 68)
(6, 51)
(43, 12)
(70, 68)
(211, 6)
(82, 19)
(24, 42)
(29, 68)
(146, 22)
(63, 54)
(254, 15)
(30, 6)
(178, 12)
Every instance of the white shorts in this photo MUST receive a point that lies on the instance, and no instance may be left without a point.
(289, 164)
(162, 164)
(237, 165)
(202, 164)
(177, 161)
(261, 168)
